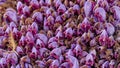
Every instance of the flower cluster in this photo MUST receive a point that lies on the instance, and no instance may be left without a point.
(60, 34)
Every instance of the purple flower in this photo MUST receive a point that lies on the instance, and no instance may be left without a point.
(57, 3)
(76, 9)
(42, 37)
(58, 19)
(48, 12)
(56, 53)
(29, 38)
(105, 64)
(38, 17)
(89, 60)
(61, 9)
(19, 7)
(12, 58)
(72, 61)
(3, 62)
(25, 59)
(34, 4)
(40, 64)
(68, 33)
(69, 52)
(10, 15)
(100, 13)
(53, 45)
(19, 50)
(13, 25)
(87, 8)
(109, 28)
(65, 65)
(112, 64)
(116, 11)
(26, 10)
(59, 35)
(33, 28)
(39, 44)
(22, 41)
(55, 64)
(111, 41)
(43, 52)
(85, 25)
(103, 39)
(34, 53)
(77, 50)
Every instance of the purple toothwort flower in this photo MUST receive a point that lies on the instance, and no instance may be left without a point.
(39, 44)
(43, 52)
(12, 58)
(40, 64)
(77, 50)
(68, 33)
(26, 10)
(112, 64)
(7, 31)
(16, 34)
(48, 12)
(34, 4)
(103, 38)
(57, 3)
(42, 2)
(89, 60)
(105, 64)
(29, 38)
(61, 9)
(19, 50)
(55, 64)
(22, 41)
(93, 53)
(111, 41)
(100, 13)
(25, 59)
(87, 8)
(1, 31)
(38, 17)
(69, 52)
(61, 59)
(56, 52)
(116, 11)
(34, 53)
(27, 65)
(109, 28)
(10, 15)
(59, 35)
(42, 37)
(53, 45)
(19, 7)
(50, 21)
(104, 4)
(33, 28)
(73, 61)
(65, 65)
(58, 19)
(93, 42)
(85, 25)
(3, 62)
(76, 9)
(48, 2)
(13, 25)
(52, 39)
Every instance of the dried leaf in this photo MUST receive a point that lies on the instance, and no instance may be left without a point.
(11, 41)
(28, 21)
